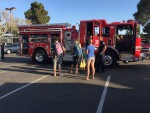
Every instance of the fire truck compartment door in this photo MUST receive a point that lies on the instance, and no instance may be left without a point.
(126, 56)
(68, 35)
(24, 45)
(137, 47)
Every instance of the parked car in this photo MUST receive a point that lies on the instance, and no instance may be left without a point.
(12, 48)
(146, 47)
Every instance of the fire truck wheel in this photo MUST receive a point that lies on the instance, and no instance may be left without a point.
(39, 56)
(110, 59)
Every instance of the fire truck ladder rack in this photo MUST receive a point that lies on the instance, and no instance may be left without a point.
(54, 25)
(41, 30)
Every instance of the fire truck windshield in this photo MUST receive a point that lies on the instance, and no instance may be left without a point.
(125, 30)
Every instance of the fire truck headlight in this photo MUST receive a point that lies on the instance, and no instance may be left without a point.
(96, 48)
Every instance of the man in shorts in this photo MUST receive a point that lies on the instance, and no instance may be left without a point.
(57, 56)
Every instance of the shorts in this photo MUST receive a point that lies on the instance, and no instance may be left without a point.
(91, 59)
(76, 60)
(57, 61)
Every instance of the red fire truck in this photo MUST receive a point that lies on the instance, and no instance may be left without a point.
(36, 40)
(123, 43)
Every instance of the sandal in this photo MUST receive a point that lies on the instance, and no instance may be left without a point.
(87, 78)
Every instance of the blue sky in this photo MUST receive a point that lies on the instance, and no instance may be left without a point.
(72, 11)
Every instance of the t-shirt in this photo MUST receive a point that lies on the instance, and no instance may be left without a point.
(101, 47)
(91, 50)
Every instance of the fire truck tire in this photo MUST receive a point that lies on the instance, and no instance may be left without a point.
(40, 56)
(110, 59)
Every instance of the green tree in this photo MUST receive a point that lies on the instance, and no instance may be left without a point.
(19, 21)
(143, 14)
(5, 23)
(37, 14)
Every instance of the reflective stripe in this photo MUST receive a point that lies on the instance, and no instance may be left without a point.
(138, 48)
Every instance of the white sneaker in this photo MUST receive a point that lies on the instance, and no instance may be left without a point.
(60, 74)
(54, 74)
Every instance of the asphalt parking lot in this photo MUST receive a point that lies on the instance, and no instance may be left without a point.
(26, 87)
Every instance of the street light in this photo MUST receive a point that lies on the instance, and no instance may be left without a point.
(10, 9)
(78, 31)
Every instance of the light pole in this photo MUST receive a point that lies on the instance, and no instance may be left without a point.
(10, 9)
(78, 31)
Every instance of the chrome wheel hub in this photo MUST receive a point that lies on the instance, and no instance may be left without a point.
(108, 60)
(39, 57)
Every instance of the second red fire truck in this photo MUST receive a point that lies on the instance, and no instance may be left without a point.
(121, 38)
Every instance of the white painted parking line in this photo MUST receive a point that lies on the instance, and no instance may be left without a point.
(147, 78)
(100, 106)
(22, 87)
(3, 71)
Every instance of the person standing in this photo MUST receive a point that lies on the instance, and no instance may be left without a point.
(77, 56)
(100, 55)
(57, 56)
(2, 51)
(90, 59)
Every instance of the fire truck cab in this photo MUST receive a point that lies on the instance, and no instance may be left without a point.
(121, 38)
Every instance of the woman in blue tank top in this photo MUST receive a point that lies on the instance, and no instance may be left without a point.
(90, 59)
